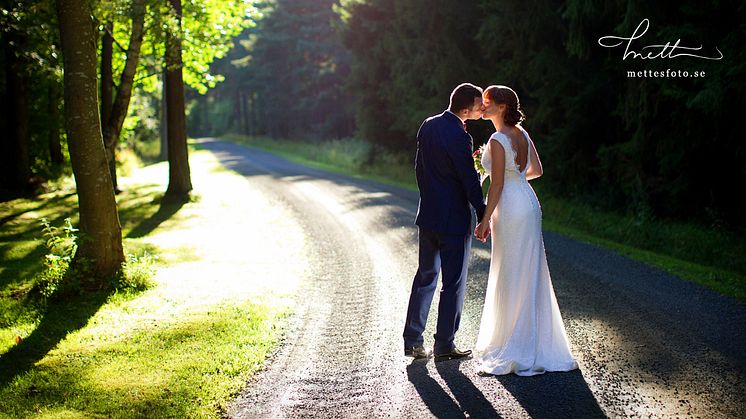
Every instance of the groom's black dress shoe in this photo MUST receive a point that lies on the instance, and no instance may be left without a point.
(417, 352)
(453, 354)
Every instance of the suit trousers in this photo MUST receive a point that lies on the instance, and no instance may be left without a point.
(438, 252)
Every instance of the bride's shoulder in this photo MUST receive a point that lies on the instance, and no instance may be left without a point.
(500, 137)
(497, 136)
(522, 130)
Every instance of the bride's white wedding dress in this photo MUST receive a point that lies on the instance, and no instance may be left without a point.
(521, 330)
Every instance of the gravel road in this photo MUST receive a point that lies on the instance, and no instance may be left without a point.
(648, 344)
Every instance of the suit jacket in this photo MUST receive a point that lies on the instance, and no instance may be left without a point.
(446, 177)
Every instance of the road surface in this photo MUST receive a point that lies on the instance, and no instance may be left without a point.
(648, 344)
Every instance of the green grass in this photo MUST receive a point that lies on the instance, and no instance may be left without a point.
(185, 366)
(713, 258)
(350, 157)
(182, 348)
(697, 253)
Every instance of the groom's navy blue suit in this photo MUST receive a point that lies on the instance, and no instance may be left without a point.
(448, 184)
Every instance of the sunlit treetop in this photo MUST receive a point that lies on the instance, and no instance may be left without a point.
(207, 30)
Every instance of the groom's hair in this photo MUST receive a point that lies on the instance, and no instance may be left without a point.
(463, 96)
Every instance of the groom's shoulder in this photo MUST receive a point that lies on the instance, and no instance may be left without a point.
(435, 119)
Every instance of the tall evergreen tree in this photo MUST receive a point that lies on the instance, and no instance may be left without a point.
(407, 57)
(292, 83)
(16, 159)
(30, 79)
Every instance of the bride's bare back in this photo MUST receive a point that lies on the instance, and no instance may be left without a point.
(520, 146)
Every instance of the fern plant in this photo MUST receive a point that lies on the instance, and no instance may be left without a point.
(61, 244)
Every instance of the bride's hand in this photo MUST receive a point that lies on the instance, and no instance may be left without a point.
(482, 231)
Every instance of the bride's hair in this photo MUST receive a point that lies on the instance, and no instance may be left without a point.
(505, 95)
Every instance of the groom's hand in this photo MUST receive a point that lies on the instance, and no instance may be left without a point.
(482, 231)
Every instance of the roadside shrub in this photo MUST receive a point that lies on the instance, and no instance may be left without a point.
(61, 244)
(137, 273)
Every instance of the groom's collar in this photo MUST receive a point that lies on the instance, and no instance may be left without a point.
(448, 111)
(462, 123)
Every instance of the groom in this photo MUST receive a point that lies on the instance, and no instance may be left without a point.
(448, 183)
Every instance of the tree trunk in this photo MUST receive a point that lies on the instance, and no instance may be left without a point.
(246, 113)
(107, 72)
(17, 164)
(206, 126)
(55, 147)
(164, 125)
(112, 128)
(238, 112)
(179, 178)
(107, 88)
(100, 242)
(253, 124)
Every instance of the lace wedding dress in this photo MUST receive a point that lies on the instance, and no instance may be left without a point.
(521, 330)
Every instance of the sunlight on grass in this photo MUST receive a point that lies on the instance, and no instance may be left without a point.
(184, 347)
(161, 367)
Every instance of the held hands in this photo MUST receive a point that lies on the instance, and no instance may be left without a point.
(482, 231)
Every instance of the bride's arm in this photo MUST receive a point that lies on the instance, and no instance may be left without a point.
(497, 179)
(535, 169)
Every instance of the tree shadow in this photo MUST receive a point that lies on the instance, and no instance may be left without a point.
(45, 203)
(168, 207)
(470, 398)
(553, 395)
(435, 398)
(62, 317)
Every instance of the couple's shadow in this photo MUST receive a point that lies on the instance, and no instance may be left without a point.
(551, 395)
(470, 399)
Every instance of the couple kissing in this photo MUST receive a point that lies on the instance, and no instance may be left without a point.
(521, 329)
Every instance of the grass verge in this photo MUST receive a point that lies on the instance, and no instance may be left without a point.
(350, 157)
(713, 258)
(182, 348)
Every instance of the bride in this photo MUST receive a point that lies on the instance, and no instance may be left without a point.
(521, 330)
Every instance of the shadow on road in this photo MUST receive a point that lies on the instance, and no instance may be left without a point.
(168, 207)
(436, 399)
(553, 395)
(470, 398)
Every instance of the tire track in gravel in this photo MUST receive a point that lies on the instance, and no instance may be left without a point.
(339, 355)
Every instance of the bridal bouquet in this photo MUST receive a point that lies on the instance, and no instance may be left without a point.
(477, 155)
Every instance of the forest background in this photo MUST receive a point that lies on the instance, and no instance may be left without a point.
(650, 149)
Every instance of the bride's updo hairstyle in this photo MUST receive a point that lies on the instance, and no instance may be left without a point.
(506, 96)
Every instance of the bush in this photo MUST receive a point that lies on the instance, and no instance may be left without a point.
(135, 275)
(61, 247)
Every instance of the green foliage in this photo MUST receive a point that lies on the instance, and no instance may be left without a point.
(29, 49)
(181, 349)
(28, 33)
(137, 273)
(291, 83)
(208, 27)
(653, 148)
(59, 272)
(407, 57)
(61, 244)
(350, 156)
